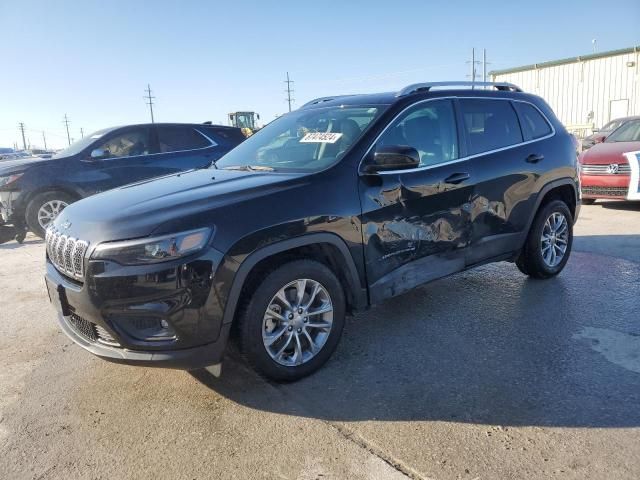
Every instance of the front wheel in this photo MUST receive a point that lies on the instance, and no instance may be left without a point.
(548, 245)
(44, 208)
(293, 321)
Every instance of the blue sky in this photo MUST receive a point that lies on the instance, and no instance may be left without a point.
(93, 59)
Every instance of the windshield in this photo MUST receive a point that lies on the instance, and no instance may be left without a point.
(80, 145)
(629, 132)
(303, 140)
(612, 125)
(245, 120)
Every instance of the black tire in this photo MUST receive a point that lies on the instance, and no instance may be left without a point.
(588, 201)
(37, 202)
(253, 309)
(531, 262)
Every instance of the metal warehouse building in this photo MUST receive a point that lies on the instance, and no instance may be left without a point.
(587, 91)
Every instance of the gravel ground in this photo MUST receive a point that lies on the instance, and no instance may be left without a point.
(485, 374)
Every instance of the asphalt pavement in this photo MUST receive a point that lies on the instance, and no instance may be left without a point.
(485, 374)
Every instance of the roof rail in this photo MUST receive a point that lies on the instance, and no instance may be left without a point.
(316, 101)
(425, 87)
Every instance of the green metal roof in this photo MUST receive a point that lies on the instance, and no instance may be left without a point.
(564, 61)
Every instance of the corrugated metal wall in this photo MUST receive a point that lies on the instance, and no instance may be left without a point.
(575, 89)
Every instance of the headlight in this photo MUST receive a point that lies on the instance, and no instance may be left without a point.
(9, 179)
(153, 250)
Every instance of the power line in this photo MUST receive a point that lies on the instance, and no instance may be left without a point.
(150, 101)
(475, 62)
(24, 142)
(66, 123)
(289, 91)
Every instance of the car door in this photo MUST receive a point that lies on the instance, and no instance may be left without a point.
(123, 154)
(416, 223)
(507, 167)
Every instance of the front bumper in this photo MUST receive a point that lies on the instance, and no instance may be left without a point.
(605, 186)
(103, 315)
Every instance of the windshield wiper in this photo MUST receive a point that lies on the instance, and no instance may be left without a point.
(250, 168)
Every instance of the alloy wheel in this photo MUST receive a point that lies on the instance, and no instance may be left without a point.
(297, 322)
(555, 239)
(49, 211)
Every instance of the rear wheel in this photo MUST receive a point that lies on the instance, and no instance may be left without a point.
(293, 321)
(44, 208)
(548, 245)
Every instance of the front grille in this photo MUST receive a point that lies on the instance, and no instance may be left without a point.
(608, 169)
(91, 331)
(83, 327)
(66, 253)
(606, 191)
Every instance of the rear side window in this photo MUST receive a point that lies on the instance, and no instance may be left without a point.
(490, 124)
(175, 139)
(534, 125)
(227, 136)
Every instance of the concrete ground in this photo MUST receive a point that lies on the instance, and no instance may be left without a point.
(482, 375)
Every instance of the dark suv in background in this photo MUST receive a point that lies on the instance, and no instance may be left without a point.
(33, 191)
(337, 206)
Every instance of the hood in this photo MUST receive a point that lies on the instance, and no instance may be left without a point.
(144, 208)
(20, 164)
(605, 153)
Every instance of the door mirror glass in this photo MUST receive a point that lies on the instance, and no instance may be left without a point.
(393, 157)
(99, 153)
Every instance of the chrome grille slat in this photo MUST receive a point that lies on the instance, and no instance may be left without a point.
(66, 253)
(603, 169)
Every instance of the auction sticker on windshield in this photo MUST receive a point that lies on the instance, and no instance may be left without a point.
(321, 137)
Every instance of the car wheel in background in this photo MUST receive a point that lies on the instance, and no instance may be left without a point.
(44, 208)
(292, 321)
(548, 245)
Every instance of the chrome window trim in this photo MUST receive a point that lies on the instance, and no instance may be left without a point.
(213, 143)
(462, 159)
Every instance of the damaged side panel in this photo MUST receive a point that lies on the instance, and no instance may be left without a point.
(416, 228)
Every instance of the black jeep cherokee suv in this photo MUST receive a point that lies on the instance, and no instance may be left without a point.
(332, 208)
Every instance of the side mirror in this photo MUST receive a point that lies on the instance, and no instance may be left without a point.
(392, 157)
(99, 153)
(599, 138)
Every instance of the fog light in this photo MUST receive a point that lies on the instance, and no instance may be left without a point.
(146, 329)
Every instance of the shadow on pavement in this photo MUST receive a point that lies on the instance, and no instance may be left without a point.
(486, 346)
(13, 245)
(631, 205)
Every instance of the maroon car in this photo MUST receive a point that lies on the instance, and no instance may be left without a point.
(600, 135)
(604, 169)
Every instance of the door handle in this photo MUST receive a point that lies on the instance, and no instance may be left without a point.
(457, 178)
(534, 158)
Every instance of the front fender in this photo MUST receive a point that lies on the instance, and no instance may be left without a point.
(235, 269)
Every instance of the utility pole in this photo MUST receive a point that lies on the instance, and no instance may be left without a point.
(289, 91)
(473, 67)
(24, 141)
(150, 101)
(484, 64)
(66, 123)
(44, 140)
(81, 133)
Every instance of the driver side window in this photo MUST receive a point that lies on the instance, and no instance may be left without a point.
(128, 144)
(430, 128)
